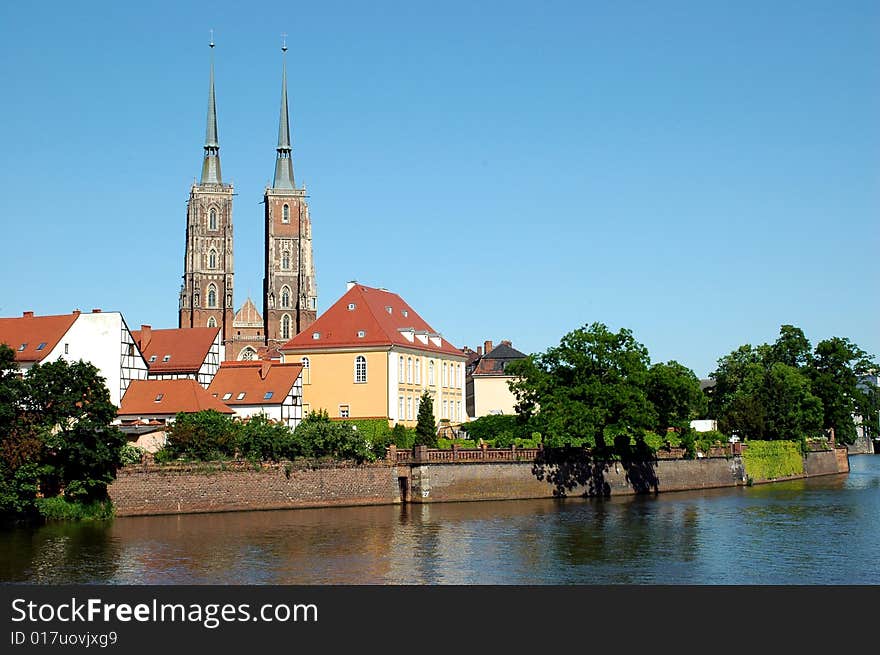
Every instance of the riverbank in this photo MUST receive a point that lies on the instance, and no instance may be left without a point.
(150, 489)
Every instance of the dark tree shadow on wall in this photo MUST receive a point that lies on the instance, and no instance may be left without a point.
(583, 472)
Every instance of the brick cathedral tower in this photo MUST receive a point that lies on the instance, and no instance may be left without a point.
(290, 293)
(206, 292)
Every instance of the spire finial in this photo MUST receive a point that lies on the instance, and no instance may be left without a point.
(211, 163)
(283, 164)
(284, 42)
(211, 44)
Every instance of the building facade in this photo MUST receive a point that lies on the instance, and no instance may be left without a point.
(250, 388)
(371, 355)
(182, 353)
(487, 390)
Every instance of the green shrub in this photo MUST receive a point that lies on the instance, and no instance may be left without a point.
(318, 436)
(58, 508)
(206, 435)
(769, 460)
(403, 437)
(260, 439)
(131, 454)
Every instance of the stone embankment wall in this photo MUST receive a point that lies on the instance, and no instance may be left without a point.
(143, 490)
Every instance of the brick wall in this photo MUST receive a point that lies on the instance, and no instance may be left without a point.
(140, 490)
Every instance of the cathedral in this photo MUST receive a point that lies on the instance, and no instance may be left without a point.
(290, 295)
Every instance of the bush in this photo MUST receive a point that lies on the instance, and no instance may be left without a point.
(403, 437)
(502, 430)
(58, 508)
(376, 433)
(205, 436)
(318, 436)
(260, 439)
(132, 454)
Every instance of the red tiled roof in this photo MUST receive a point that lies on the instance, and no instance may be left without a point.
(382, 316)
(32, 331)
(255, 379)
(186, 348)
(176, 396)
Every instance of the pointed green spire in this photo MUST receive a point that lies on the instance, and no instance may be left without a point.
(283, 162)
(211, 164)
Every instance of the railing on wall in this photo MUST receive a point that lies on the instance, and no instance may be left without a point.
(455, 454)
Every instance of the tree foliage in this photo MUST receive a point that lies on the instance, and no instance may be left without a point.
(426, 426)
(675, 392)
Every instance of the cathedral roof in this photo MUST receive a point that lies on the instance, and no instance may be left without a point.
(34, 337)
(254, 382)
(147, 397)
(178, 350)
(247, 316)
(365, 316)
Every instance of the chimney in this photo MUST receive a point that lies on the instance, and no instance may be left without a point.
(264, 369)
(146, 336)
(96, 311)
(487, 346)
(479, 351)
(77, 312)
(28, 314)
(507, 343)
(350, 284)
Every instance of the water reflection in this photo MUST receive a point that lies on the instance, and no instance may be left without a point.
(818, 531)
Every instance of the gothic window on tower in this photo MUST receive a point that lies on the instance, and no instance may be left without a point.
(212, 220)
(313, 303)
(212, 322)
(212, 296)
(212, 259)
(247, 354)
(285, 297)
(285, 326)
(285, 260)
(285, 214)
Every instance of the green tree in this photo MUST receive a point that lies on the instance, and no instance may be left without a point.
(836, 369)
(205, 436)
(868, 407)
(589, 388)
(72, 403)
(791, 348)
(675, 392)
(318, 436)
(426, 426)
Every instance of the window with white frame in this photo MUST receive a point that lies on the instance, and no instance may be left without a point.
(445, 413)
(360, 369)
(400, 368)
(307, 370)
(344, 411)
(430, 372)
(445, 378)
(212, 322)
(409, 377)
(400, 408)
(409, 408)
(418, 371)
(458, 410)
(285, 214)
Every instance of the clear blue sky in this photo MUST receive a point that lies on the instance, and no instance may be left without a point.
(699, 172)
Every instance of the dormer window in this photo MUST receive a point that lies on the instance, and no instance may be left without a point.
(362, 334)
(268, 395)
(351, 306)
(388, 309)
(316, 335)
(152, 358)
(240, 396)
(22, 347)
(166, 358)
(405, 313)
(41, 346)
(227, 395)
(159, 397)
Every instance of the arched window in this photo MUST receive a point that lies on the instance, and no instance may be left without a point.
(247, 354)
(285, 214)
(212, 259)
(285, 260)
(285, 297)
(418, 371)
(409, 370)
(285, 326)
(212, 296)
(360, 369)
(212, 322)
(212, 219)
(445, 378)
(431, 373)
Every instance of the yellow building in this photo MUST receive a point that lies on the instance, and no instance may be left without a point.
(487, 386)
(371, 355)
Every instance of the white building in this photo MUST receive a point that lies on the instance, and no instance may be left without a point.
(101, 338)
(260, 387)
(181, 353)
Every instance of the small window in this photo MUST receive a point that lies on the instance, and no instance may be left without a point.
(405, 313)
(240, 396)
(285, 327)
(316, 335)
(159, 397)
(212, 219)
(22, 347)
(43, 345)
(285, 260)
(268, 395)
(351, 306)
(227, 396)
(214, 394)
(305, 362)
(152, 358)
(166, 358)
(388, 309)
(66, 349)
(313, 303)
(344, 411)
(212, 259)
(361, 334)
(285, 214)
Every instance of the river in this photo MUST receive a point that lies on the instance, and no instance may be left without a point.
(822, 530)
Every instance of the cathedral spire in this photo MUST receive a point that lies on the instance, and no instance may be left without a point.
(283, 162)
(211, 165)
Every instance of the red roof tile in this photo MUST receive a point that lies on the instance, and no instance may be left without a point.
(255, 379)
(186, 348)
(33, 331)
(383, 318)
(174, 396)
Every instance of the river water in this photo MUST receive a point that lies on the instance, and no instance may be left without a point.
(820, 531)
